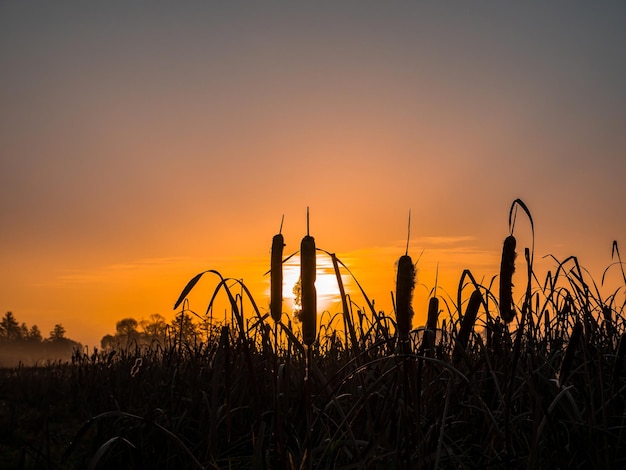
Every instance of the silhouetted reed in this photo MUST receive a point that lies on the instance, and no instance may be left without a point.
(542, 389)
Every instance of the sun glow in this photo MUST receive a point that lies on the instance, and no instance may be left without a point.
(328, 294)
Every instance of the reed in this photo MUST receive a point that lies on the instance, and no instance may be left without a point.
(218, 402)
(507, 268)
(308, 314)
(405, 283)
(574, 344)
(467, 323)
(276, 277)
(428, 344)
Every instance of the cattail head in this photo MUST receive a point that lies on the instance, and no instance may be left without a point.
(308, 314)
(431, 326)
(276, 277)
(468, 321)
(507, 268)
(433, 313)
(405, 282)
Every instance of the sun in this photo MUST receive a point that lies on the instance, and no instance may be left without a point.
(328, 295)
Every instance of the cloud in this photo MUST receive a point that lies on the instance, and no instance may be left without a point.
(444, 240)
(108, 273)
(149, 263)
(79, 278)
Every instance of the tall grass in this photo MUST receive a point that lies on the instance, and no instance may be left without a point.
(546, 389)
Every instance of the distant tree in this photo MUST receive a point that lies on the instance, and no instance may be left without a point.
(57, 333)
(129, 331)
(126, 331)
(126, 327)
(58, 345)
(108, 342)
(184, 328)
(154, 327)
(9, 328)
(19, 343)
(34, 334)
(297, 300)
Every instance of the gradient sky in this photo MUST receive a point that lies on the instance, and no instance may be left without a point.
(142, 143)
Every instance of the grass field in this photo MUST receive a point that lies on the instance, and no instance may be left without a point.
(530, 376)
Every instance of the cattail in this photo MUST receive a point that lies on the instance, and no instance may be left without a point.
(433, 313)
(568, 357)
(276, 277)
(467, 322)
(405, 282)
(431, 325)
(507, 268)
(308, 315)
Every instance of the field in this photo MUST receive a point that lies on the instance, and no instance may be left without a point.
(530, 376)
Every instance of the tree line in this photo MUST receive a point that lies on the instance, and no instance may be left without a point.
(20, 343)
(12, 331)
(23, 344)
(130, 332)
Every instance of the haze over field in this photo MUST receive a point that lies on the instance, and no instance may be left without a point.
(143, 143)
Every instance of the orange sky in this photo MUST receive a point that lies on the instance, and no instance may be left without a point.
(140, 146)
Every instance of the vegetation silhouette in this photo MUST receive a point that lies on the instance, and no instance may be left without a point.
(20, 344)
(540, 386)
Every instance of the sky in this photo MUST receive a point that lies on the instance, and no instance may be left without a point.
(144, 142)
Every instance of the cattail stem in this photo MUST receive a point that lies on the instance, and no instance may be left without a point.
(308, 410)
(408, 235)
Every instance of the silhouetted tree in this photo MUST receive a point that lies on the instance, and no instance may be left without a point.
(154, 327)
(19, 343)
(9, 328)
(183, 328)
(297, 299)
(126, 327)
(108, 342)
(58, 345)
(57, 333)
(126, 331)
(34, 334)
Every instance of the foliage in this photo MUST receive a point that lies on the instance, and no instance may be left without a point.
(21, 344)
(130, 332)
(545, 390)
